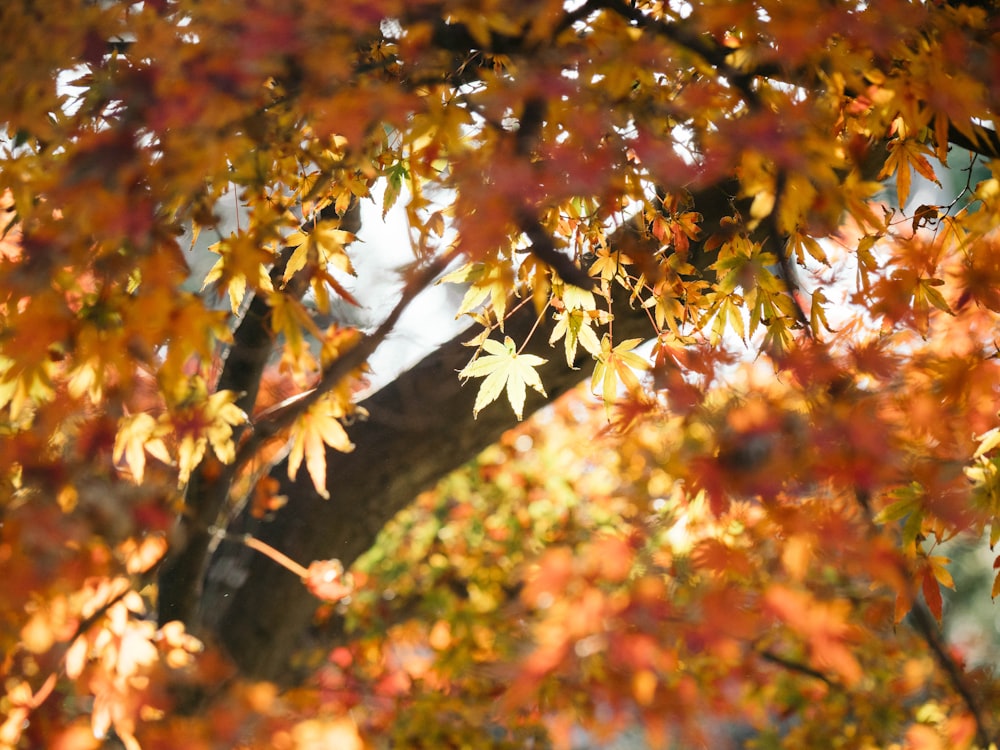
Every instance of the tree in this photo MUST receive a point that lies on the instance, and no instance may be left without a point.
(193, 492)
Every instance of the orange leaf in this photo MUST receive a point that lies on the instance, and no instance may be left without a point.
(923, 737)
(326, 580)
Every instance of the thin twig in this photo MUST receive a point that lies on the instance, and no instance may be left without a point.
(344, 365)
(795, 666)
(267, 550)
(538, 319)
(713, 54)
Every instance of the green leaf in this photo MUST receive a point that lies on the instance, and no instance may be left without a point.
(394, 183)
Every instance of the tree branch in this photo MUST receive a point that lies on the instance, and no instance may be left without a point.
(795, 666)
(180, 578)
(987, 141)
(344, 365)
(208, 491)
(420, 427)
(923, 622)
(925, 625)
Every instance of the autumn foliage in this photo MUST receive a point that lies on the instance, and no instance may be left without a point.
(765, 233)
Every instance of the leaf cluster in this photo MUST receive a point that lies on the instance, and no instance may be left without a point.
(733, 181)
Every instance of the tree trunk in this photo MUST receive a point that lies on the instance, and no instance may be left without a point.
(420, 427)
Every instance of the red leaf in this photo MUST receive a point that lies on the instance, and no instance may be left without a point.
(932, 593)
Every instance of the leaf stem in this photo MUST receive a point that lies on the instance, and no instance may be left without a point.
(268, 551)
(538, 319)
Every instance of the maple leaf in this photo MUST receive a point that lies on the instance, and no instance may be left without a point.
(817, 312)
(317, 428)
(574, 321)
(486, 280)
(241, 263)
(608, 264)
(222, 415)
(677, 230)
(504, 367)
(904, 154)
(196, 428)
(934, 574)
(137, 435)
(573, 326)
(327, 581)
(988, 441)
(323, 245)
(290, 318)
(616, 365)
(394, 185)
(802, 243)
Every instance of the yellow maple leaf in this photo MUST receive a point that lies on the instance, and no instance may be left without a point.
(136, 436)
(987, 442)
(316, 429)
(197, 428)
(485, 280)
(223, 414)
(614, 365)
(573, 326)
(291, 319)
(324, 244)
(501, 367)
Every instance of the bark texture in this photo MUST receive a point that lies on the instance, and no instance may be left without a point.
(420, 428)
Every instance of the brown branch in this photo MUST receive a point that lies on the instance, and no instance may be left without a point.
(348, 362)
(795, 666)
(987, 141)
(926, 627)
(274, 554)
(928, 630)
(208, 490)
(420, 427)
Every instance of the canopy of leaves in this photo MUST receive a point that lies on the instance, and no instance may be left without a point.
(795, 202)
